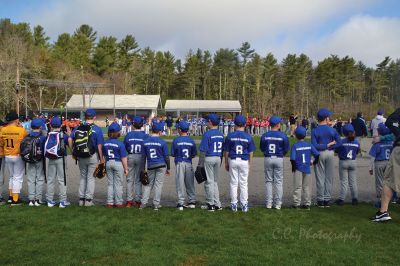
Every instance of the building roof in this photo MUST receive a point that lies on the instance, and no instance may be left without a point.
(202, 106)
(106, 101)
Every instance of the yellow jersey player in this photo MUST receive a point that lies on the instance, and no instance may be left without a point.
(2, 164)
(12, 136)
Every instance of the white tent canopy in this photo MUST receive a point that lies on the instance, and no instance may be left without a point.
(203, 106)
(107, 102)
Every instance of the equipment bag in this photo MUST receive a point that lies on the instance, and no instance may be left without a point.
(30, 149)
(83, 147)
(53, 148)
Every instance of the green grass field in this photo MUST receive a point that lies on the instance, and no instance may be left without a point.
(98, 236)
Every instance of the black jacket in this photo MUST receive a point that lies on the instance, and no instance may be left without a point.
(392, 123)
(360, 127)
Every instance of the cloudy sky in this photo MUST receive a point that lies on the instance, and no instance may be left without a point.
(367, 30)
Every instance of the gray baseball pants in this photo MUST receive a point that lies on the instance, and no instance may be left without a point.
(211, 166)
(273, 169)
(87, 166)
(156, 180)
(379, 169)
(348, 178)
(185, 182)
(324, 172)
(115, 173)
(55, 173)
(35, 176)
(302, 188)
(136, 164)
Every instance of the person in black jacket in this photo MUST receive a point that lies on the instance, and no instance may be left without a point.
(391, 177)
(360, 126)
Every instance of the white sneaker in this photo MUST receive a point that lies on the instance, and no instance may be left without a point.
(31, 203)
(269, 206)
(51, 204)
(81, 203)
(37, 203)
(277, 207)
(64, 204)
(89, 203)
(190, 206)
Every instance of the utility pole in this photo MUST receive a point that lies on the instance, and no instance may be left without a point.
(17, 88)
(26, 99)
(83, 92)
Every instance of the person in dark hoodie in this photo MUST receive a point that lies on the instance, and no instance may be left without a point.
(360, 126)
(391, 177)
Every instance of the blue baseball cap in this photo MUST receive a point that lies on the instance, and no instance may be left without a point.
(90, 113)
(383, 129)
(240, 121)
(137, 119)
(213, 118)
(348, 128)
(300, 132)
(157, 126)
(380, 112)
(323, 113)
(114, 127)
(36, 123)
(55, 122)
(274, 120)
(183, 126)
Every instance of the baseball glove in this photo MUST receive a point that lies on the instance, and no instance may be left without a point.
(144, 178)
(100, 171)
(200, 174)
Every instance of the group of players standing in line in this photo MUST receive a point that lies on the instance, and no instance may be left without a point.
(139, 151)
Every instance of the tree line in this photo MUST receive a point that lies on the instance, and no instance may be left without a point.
(263, 84)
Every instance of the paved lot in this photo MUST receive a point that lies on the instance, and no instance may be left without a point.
(256, 184)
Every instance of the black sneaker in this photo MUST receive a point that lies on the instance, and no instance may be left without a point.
(211, 208)
(10, 200)
(381, 217)
(327, 204)
(306, 207)
(179, 207)
(16, 203)
(354, 202)
(339, 202)
(217, 208)
(320, 204)
(295, 207)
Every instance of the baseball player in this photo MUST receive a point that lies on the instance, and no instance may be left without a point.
(380, 154)
(116, 166)
(12, 136)
(158, 165)
(55, 151)
(325, 139)
(35, 171)
(376, 121)
(274, 144)
(211, 146)
(300, 157)
(239, 147)
(347, 154)
(133, 142)
(184, 149)
(124, 123)
(86, 141)
(2, 163)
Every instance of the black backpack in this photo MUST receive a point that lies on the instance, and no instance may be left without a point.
(30, 149)
(83, 147)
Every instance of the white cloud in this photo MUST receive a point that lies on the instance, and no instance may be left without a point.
(276, 26)
(364, 38)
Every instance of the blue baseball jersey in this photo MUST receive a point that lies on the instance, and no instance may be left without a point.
(348, 150)
(183, 148)
(324, 134)
(124, 122)
(274, 144)
(114, 150)
(212, 143)
(381, 150)
(134, 142)
(239, 144)
(301, 153)
(97, 136)
(169, 122)
(155, 150)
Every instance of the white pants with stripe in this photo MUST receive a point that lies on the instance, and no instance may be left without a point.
(239, 174)
(16, 168)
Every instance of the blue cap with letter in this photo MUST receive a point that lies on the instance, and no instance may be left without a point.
(90, 112)
(323, 113)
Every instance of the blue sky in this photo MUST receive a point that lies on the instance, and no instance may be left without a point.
(368, 30)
